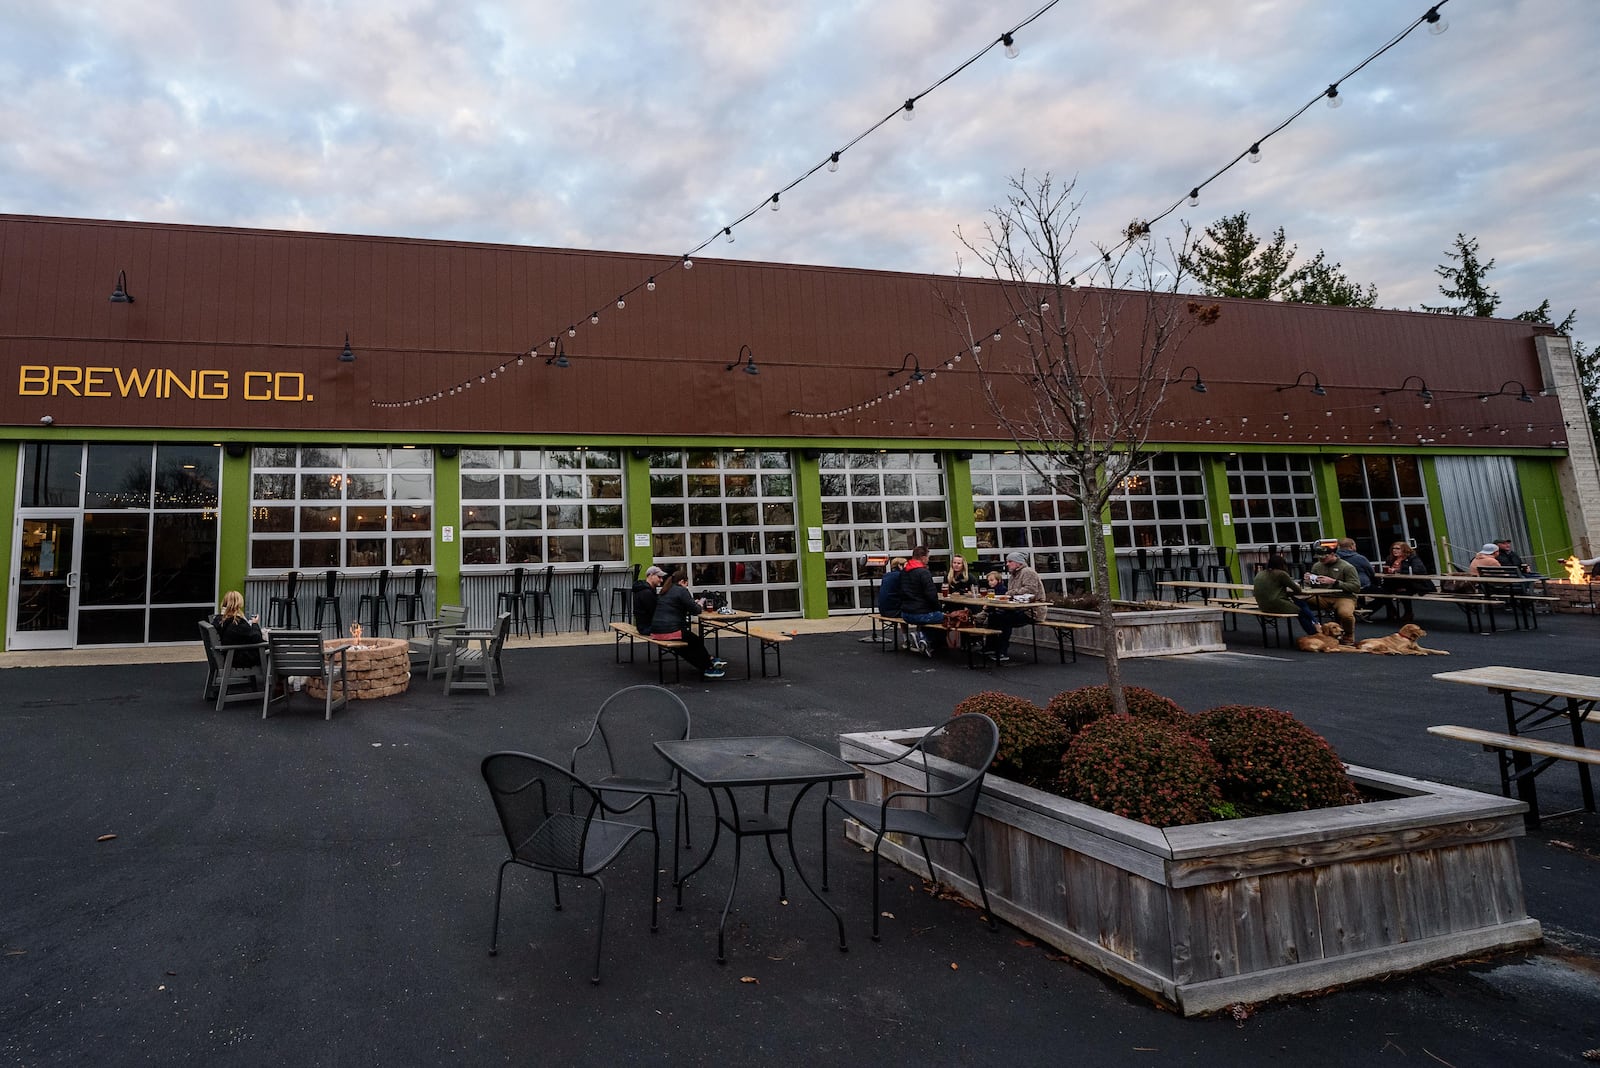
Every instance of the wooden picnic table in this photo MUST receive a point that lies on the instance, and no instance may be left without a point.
(1537, 700)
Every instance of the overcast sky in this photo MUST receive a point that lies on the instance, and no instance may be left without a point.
(645, 127)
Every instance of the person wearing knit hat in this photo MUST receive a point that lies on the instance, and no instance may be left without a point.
(1024, 584)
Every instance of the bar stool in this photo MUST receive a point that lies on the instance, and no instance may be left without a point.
(1166, 571)
(285, 611)
(514, 601)
(416, 606)
(544, 604)
(379, 603)
(625, 613)
(1219, 571)
(330, 598)
(590, 596)
(1141, 570)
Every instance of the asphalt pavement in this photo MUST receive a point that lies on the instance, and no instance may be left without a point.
(183, 886)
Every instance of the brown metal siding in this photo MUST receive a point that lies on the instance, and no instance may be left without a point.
(423, 316)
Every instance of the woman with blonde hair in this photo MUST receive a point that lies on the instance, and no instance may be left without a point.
(233, 628)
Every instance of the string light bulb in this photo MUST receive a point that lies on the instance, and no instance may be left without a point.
(1194, 197)
(833, 163)
(688, 264)
(1435, 21)
(906, 112)
(774, 202)
(572, 331)
(727, 232)
(594, 318)
(622, 302)
(1334, 99)
(651, 285)
(1011, 46)
(1255, 153)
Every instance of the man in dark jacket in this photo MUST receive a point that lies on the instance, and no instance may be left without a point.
(919, 597)
(889, 588)
(644, 598)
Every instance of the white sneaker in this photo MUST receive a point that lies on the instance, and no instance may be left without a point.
(924, 646)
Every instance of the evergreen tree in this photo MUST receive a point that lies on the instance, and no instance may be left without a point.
(1465, 283)
(1230, 261)
(1321, 282)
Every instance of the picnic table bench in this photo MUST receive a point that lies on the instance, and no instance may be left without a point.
(1514, 753)
(665, 647)
(1269, 620)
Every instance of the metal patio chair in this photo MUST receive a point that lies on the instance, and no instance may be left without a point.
(554, 821)
(952, 760)
(621, 750)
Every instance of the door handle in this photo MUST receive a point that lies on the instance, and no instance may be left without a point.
(72, 580)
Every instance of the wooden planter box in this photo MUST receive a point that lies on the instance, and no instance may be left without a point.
(1160, 632)
(1205, 916)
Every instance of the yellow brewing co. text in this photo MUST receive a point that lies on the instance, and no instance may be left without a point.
(160, 383)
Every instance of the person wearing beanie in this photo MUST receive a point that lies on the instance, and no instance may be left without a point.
(1024, 581)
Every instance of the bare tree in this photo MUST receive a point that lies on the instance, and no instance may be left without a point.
(1082, 394)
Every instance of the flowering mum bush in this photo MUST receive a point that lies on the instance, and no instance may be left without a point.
(1142, 768)
(1076, 709)
(1270, 761)
(1031, 740)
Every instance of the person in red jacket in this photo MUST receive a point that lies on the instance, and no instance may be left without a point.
(919, 598)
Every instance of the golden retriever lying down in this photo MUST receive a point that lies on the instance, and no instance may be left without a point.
(1401, 643)
(1325, 640)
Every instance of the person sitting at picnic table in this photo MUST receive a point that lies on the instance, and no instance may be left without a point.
(1403, 560)
(1274, 588)
(1335, 586)
(675, 609)
(234, 629)
(919, 598)
(889, 588)
(1486, 558)
(994, 584)
(1509, 557)
(1026, 584)
(959, 580)
(644, 598)
(1365, 572)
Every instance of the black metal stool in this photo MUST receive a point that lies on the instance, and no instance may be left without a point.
(416, 605)
(1166, 571)
(1141, 571)
(590, 596)
(544, 604)
(379, 603)
(330, 598)
(626, 593)
(514, 601)
(1219, 571)
(285, 611)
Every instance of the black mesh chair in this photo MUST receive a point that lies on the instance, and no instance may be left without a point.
(228, 677)
(415, 605)
(589, 597)
(554, 822)
(952, 760)
(378, 604)
(329, 599)
(619, 756)
(299, 654)
(515, 601)
(284, 611)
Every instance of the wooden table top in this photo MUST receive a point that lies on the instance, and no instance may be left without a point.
(1527, 680)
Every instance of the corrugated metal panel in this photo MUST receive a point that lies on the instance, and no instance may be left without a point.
(1482, 501)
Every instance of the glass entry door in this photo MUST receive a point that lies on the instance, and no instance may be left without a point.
(44, 606)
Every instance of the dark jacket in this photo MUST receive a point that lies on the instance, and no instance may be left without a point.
(1273, 589)
(239, 631)
(1395, 582)
(889, 593)
(644, 605)
(674, 609)
(960, 584)
(1362, 565)
(918, 594)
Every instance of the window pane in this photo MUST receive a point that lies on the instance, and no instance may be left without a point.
(118, 476)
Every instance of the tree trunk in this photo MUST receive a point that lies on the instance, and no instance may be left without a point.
(1100, 561)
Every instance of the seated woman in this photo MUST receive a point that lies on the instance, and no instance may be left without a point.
(671, 622)
(1403, 560)
(959, 580)
(234, 629)
(1274, 588)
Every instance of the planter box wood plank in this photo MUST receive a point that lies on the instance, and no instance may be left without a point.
(1156, 632)
(1204, 916)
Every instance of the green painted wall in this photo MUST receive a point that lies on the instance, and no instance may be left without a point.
(233, 527)
(447, 513)
(9, 451)
(636, 487)
(1328, 506)
(808, 505)
(958, 487)
(1550, 539)
(1441, 532)
(1219, 503)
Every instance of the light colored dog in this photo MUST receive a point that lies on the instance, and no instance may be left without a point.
(1325, 640)
(1401, 643)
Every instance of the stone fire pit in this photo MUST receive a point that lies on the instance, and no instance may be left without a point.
(377, 667)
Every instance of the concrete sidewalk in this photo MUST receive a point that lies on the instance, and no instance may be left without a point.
(294, 891)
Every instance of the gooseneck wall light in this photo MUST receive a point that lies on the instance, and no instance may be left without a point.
(915, 364)
(1316, 384)
(347, 356)
(1424, 394)
(1522, 392)
(749, 359)
(1198, 385)
(120, 295)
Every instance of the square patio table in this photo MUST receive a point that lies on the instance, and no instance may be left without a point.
(728, 764)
